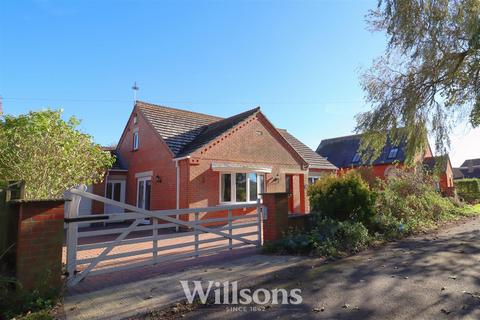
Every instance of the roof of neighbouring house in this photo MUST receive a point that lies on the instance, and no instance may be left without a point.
(442, 161)
(313, 159)
(341, 151)
(467, 173)
(119, 164)
(457, 173)
(185, 131)
(471, 162)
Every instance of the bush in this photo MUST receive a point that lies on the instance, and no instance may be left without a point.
(344, 197)
(468, 190)
(408, 203)
(49, 154)
(347, 214)
(329, 238)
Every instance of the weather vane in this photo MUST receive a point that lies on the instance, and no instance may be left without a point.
(135, 88)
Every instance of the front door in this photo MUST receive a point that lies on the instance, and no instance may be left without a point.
(289, 190)
(115, 190)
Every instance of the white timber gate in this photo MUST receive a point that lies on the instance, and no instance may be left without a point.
(126, 242)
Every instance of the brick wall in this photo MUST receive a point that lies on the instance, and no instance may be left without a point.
(39, 244)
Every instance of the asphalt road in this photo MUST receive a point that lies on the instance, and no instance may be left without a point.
(435, 276)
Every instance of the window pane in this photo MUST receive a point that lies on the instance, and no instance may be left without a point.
(393, 153)
(241, 186)
(116, 191)
(252, 178)
(226, 188)
(148, 188)
(109, 191)
(135, 140)
(140, 194)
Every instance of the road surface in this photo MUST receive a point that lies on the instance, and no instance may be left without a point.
(435, 276)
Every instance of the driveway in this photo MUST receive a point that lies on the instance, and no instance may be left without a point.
(436, 276)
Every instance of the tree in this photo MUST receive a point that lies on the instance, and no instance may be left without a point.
(429, 76)
(49, 154)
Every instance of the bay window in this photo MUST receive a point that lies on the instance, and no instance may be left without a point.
(241, 187)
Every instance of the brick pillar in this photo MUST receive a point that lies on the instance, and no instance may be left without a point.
(277, 215)
(39, 244)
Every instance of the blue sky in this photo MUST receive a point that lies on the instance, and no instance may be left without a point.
(298, 60)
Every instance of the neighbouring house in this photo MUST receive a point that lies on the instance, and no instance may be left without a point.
(343, 152)
(443, 166)
(170, 158)
(469, 169)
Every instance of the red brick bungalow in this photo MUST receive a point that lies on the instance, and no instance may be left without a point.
(343, 152)
(173, 158)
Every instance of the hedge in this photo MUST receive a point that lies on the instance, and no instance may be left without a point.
(468, 189)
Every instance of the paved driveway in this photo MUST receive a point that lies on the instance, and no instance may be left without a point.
(427, 277)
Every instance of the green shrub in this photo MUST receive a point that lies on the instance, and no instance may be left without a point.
(468, 189)
(409, 203)
(34, 304)
(344, 197)
(40, 315)
(329, 238)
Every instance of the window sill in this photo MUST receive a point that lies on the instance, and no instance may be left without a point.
(224, 204)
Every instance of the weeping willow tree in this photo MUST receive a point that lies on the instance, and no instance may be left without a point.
(427, 80)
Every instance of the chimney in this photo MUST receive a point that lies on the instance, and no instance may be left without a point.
(470, 166)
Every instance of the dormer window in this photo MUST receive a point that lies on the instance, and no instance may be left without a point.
(393, 153)
(356, 158)
(135, 140)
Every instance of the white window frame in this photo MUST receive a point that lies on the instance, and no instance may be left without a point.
(136, 140)
(233, 187)
(144, 179)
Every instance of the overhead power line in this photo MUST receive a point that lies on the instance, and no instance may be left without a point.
(187, 102)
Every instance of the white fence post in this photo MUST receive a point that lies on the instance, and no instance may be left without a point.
(230, 230)
(71, 211)
(196, 235)
(259, 223)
